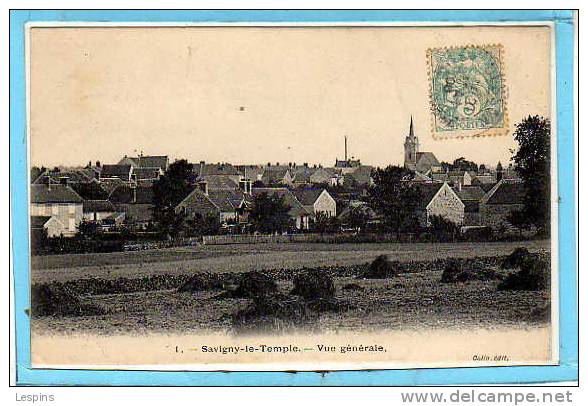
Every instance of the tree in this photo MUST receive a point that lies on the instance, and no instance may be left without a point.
(270, 214)
(532, 162)
(323, 223)
(168, 191)
(36, 172)
(462, 164)
(442, 228)
(394, 198)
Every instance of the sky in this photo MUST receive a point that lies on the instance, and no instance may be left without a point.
(261, 94)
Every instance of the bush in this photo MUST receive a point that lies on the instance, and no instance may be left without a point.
(380, 268)
(314, 284)
(254, 285)
(272, 313)
(202, 281)
(454, 272)
(534, 274)
(56, 300)
(353, 286)
(515, 259)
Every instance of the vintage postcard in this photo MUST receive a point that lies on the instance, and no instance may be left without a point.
(284, 197)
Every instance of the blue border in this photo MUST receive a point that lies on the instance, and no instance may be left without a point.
(567, 370)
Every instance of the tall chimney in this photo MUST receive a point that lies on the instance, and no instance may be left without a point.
(345, 148)
(203, 185)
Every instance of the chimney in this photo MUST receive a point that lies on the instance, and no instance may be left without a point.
(203, 185)
(345, 148)
(245, 185)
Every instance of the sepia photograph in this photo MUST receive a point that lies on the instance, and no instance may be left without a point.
(292, 196)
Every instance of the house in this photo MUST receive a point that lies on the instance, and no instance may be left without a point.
(203, 169)
(63, 177)
(96, 210)
(471, 197)
(276, 175)
(506, 197)
(347, 165)
(297, 212)
(414, 159)
(122, 172)
(463, 178)
(438, 199)
(157, 162)
(136, 202)
(59, 201)
(52, 225)
(253, 172)
(317, 201)
(326, 176)
(224, 204)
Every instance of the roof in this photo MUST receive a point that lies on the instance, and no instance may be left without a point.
(93, 206)
(506, 192)
(427, 191)
(110, 184)
(226, 200)
(362, 174)
(136, 213)
(253, 172)
(115, 171)
(470, 193)
(274, 174)
(73, 176)
(146, 161)
(215, 169)
(427, 157)
(219, 182)
(350, 163)
(54, 194)
(308, 196)
(125, 194)
(39, 221)
(153, 161)
(146, 173)
(296, 208)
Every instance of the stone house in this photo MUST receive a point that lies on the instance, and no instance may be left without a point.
(439, 199)
(59, 201)
(317, 201)
(506, 197)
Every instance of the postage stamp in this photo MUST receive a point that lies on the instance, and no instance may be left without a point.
(467, 91)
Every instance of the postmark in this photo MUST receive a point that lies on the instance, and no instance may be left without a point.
(467, 91)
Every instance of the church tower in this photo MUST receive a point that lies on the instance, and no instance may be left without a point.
(411, 148)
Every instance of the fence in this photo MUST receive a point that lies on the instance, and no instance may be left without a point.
(311, 238)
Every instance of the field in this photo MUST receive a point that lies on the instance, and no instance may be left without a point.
(415, 298)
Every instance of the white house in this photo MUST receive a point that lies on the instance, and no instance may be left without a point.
(317, 201)
(438, 199)
(59, 201)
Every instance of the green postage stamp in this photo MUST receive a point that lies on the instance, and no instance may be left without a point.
(467, 91)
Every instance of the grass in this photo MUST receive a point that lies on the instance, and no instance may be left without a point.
(413, 299)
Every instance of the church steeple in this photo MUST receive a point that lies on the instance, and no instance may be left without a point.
(411, 147)
(411, 131)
